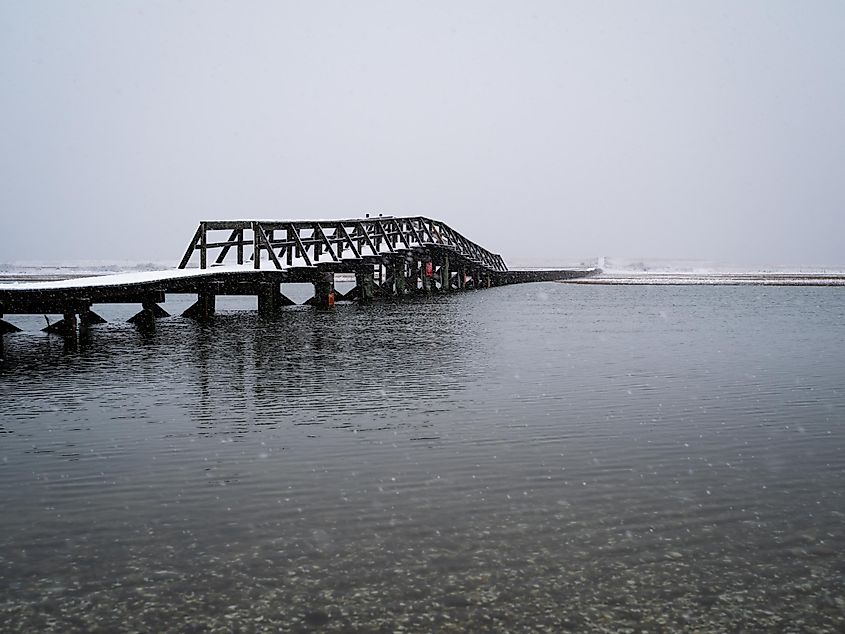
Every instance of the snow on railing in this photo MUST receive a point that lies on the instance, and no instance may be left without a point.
(294, 243)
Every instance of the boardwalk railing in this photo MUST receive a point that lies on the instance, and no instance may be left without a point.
(286, 244)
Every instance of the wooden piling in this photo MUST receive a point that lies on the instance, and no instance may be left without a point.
(5, 328)
(323, 289)
(365, 283)
(208, 303)
(269, 299)
(399, 276)
(204, 308)
(71, 326)
(88, 318)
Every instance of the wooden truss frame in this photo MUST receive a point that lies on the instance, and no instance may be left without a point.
(282, 244)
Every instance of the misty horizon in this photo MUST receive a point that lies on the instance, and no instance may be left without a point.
(539, 130)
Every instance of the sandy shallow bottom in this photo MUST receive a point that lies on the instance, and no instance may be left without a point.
(538, 457)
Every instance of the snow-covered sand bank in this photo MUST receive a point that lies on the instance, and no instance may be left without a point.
(713, 278)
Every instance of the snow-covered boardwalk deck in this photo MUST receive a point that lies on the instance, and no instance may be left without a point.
(389, 257)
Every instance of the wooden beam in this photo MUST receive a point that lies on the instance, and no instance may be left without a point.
(384, 233)
(410, 222)
(263, 237)
(401, 233)
(256, 246)
(6, 327)
(191, 248)
(367, 238)
(218, 225)
(325, 239)
(290, 232)
(226, 246)
(300, 246)
(355, 251)
(203, 246)
(433, 229)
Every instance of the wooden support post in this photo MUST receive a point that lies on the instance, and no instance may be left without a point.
(208, 304)
(269, 299)
(150, 311)
(147, 322)
(445, 275)
(386, 284)
(240, 246)
(318, 245)
(5, 328)
(427, 271)
(256, 246)
(203, 308)
(415, 275)
(399, 276)
(203, 246)
(65, 327)
(365, 282)
(291, 245)
(411, 274)
(89, 318)
(324, 290)
(71, 326)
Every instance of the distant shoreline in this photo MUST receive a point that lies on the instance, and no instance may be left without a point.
(712, 279)
(606, 277)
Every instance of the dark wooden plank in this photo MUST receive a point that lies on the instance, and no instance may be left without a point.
(349, 240)
(226, 246)
(367, 238)
(326, 241)
(379, 226)
(266, 243)
(300, 246)
(256, 246)
(191, 248)
(401, 232)
(220, 225)
(203, 246)
(410, 222)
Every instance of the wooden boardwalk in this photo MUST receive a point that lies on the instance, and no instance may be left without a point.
(388, 256)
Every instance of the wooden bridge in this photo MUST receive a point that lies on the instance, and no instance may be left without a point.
(388, 256)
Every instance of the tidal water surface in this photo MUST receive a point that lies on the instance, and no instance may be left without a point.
(534, 457)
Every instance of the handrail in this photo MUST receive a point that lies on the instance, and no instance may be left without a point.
(312, 242)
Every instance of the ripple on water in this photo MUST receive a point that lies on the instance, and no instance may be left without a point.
(552, 456)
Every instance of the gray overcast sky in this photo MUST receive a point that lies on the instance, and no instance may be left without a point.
(710, 130)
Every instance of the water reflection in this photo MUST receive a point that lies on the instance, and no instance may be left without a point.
(569, 457)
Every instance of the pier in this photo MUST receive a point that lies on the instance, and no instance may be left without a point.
(389, 257)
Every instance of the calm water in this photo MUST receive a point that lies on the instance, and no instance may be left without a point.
(534, 457)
